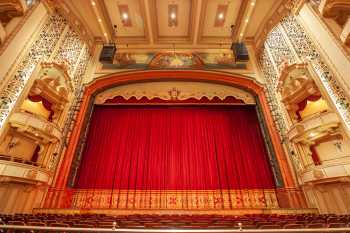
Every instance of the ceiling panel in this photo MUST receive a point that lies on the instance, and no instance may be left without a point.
(198, 25)
(136, 16)
(261, 13)
(83, 10)
(183, 17)
(210, 17)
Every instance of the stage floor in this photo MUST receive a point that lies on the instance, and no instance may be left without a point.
(241, 211)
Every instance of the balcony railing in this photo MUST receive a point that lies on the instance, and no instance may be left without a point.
(21, 170)
(18, 160)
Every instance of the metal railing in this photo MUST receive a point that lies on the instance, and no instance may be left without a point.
(126, 230)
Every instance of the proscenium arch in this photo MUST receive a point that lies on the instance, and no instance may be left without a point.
(123, 78)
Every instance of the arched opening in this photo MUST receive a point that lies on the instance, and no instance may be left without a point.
(115, 80)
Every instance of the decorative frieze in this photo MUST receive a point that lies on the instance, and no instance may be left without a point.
(279, 49)
(69, 50)
(81, 66)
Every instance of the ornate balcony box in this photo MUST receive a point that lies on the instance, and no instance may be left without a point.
(314, 127)
(35, 126)
(336, 170)
(11, 171)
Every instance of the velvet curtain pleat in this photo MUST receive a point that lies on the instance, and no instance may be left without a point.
(174, 148)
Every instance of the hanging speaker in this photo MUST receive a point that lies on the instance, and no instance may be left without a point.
(240, 51)
(107, 53)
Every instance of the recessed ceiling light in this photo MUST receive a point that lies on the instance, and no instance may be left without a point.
(105, 34)
(221, 15)
(247, 20)
(99, 20)
(241, 34)
(125, 16)
(93, 3)
(173, 15)
(253, 3)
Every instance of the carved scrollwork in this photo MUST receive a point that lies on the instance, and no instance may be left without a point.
(175, 90)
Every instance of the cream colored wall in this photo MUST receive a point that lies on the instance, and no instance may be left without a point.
(20, 198)
(334, 151)
(24, 148)
(332, 197)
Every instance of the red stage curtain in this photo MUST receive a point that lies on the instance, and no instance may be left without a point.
(174, 148)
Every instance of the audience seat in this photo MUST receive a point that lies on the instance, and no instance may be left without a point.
(255, 221)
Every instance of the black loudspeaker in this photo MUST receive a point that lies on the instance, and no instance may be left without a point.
(240, 52)
(107, 53)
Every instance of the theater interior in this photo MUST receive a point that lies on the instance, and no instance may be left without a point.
(175, 116)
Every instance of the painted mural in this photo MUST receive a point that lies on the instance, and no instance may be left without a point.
(178, 60)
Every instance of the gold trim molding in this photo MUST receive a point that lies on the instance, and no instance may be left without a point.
(73, 21)
(286, 7)
(172, 90)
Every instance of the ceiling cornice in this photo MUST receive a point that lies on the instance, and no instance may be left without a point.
(241, 14)
(78, 26)
(285, 8)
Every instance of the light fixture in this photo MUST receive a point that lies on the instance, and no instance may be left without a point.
(99, 20)
(172, 15)
(252, 3)
(93, 3)
(247, 20)
(220, 15)
(125, 16)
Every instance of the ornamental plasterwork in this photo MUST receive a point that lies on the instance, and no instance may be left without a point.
(53, 69)
(10, 9)
(41, 50)
(54, 84)
(75, 23)
(305, 48)
(175, 90)
(295, 84)
(302, 46)
(270, 74)
(285, 8)
(69, 51)
(279, 48)
(81, 66)
(337, 9)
